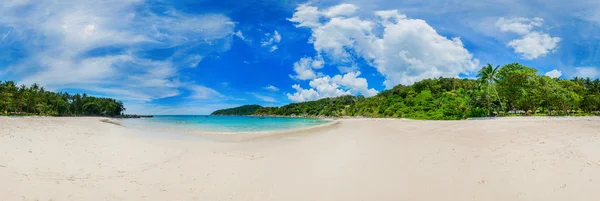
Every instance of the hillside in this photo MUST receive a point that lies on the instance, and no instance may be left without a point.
(238, 111)
(513, 88)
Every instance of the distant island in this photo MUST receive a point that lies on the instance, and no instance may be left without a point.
(510, 90)
(36, 100)
(238, 111)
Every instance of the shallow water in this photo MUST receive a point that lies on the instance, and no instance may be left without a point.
(222, 123)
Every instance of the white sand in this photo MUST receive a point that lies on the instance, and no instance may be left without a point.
(541, 159)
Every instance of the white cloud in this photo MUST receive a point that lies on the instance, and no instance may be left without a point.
(202, 92)
(273, 48)
(554, 73)
(276, 37)
(271, 88)
(518, 25)
(587, 72)
(341, 36)
(271, 40)
(302, 95)
(327, 88)
(341, 10)
(304, 68)
(355, 84)
(194, 60)
(411, 50)
(264, 98)
(335, 86)
(407, 50)
(532, 44)
(240, 35)
(73, 30)
(317, 62)
(306, 16)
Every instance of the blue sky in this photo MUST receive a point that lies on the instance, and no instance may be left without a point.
(196, 56)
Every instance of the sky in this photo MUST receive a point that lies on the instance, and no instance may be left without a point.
(197, 56)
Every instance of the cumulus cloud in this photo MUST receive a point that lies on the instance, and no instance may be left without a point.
(306, 16)
(338, 85)
(304, 68)
(341, 10)
(554, 73)
(405, 51)
(532, 44)
(302, 95)
(355, 84)
(518, 25)
(271, 88)
(61, 43)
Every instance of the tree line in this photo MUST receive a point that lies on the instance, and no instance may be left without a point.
(512, 89)
(242, 110)
(36, 100)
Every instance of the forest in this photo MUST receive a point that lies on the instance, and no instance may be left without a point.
(242, 110)
(36, 100)
(510, 90)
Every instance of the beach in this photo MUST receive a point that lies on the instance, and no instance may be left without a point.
(545, 159)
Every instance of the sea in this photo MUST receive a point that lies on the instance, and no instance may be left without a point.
(225, 124)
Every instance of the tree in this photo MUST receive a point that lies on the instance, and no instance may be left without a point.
(590, 102)
(7, 92)
(514, 85)
(513, 80)
(37, 100)
(487, 78)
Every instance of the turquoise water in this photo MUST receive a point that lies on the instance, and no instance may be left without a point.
(223, 123)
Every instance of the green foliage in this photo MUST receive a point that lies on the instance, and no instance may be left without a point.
(242, 110)
(510, 90)
(477, 112)
(35, 100)
(513, 83)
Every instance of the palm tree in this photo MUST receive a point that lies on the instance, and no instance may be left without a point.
(488, 76)
(23, 97)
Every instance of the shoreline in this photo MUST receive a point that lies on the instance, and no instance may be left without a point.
(245, 136)
(249, 136)
(363, 117)
(229, 136)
